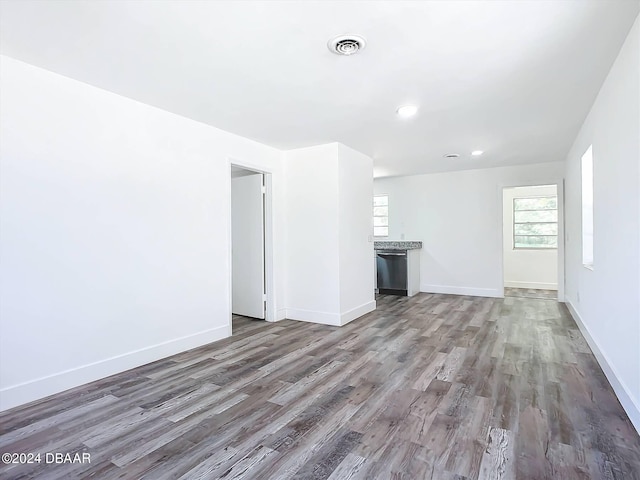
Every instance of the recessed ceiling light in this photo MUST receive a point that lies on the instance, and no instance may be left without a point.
(451, 155)
(477, 153)
(346, 44)
(406, 111)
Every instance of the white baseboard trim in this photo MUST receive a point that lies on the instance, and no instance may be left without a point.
(357, 312)
(325, 318)
(451, 290)
(26, 392)
(629, 403)
(536, 285)
(313, 316)
(281, 314)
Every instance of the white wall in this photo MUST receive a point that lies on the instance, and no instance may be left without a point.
(606, 300)
(329, 268)
(113, 232)
(458, 217)
(312, 241)
(356, 228)
(527, 268)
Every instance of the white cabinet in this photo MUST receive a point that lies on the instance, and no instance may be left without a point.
(413, 272)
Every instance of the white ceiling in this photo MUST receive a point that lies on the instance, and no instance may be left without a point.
(512, 78)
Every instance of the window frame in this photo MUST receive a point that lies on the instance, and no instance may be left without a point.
(514, 223)
(587, 207)
(380, 216)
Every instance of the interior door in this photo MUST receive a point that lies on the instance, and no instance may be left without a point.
(247, 246)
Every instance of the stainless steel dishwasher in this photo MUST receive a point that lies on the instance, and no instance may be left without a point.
(392, 271)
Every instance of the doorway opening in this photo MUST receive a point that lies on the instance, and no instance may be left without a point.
(250, 248)
(532, 238)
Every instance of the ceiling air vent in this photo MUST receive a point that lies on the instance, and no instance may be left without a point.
(346, 44)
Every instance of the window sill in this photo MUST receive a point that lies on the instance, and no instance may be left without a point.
(588, 266)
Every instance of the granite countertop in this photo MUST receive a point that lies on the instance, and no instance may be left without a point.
(393, 245)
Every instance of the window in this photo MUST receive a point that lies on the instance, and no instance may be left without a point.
(535, 222)
(381, 216)
(587, 208)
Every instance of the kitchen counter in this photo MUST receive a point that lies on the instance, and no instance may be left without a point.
(393, 245)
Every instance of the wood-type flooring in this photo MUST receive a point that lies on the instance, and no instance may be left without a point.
(429, 387)
(531, 293)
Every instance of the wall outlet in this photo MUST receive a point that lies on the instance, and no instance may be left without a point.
(578, 296)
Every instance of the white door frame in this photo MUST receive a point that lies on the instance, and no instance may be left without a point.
(270, 312)
(561, 239)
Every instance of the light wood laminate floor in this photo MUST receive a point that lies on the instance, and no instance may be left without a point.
(429, 387)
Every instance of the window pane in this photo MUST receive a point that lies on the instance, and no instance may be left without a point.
(380, 221)
(540, 203)
(380, 231)
(536, 229)
(536, 242)
(379, 200)
(539, 216)
(380, 211)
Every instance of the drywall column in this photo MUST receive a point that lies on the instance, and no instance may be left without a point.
(313, 270)
(355, 198)
(329, 269)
